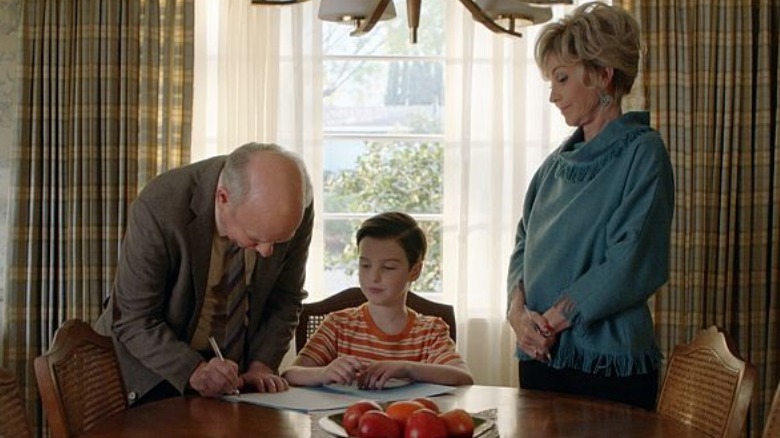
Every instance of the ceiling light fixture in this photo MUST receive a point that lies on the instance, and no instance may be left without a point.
(509, 15)
(364, 14)
(276, 2)
(500, 16)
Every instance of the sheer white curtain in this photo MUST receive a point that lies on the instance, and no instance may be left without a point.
(258, 78)
(499, 128)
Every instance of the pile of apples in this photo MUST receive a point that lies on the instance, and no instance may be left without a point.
(415, 418)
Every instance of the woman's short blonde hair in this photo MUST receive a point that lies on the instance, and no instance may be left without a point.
(599, 36)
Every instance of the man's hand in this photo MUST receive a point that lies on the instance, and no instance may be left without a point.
(215, 377)
(262, 379)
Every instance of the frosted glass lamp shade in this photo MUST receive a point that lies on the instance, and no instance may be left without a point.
(276, 2)
(350, 10)
(521, 13)
(549, 2)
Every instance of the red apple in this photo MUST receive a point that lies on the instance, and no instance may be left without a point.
(428, 403)
(459, 423)
(401, 410)
(425, 424)
(354, 412)
(377, 424)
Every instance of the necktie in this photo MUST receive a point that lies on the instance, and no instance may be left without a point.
(233, 290)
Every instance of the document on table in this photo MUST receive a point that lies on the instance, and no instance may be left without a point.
(296, 398)
(332, 397)
(392, 391)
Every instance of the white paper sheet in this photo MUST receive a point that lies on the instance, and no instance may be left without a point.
(298, 399)
(399, 392)
(309, 399)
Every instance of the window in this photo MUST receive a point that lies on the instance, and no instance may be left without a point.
(382, 136)
(449, 129)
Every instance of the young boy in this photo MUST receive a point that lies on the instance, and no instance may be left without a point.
(383, 338)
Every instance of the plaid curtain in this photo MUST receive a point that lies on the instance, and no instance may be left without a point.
(106, 96)
(711, 83)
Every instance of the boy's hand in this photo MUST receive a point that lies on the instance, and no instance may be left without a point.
(377, 374)
(343, 370)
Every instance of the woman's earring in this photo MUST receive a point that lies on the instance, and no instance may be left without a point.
(604, 99)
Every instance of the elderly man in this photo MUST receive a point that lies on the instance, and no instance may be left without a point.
(215, 249)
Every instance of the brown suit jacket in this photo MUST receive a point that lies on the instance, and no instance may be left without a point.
(160, 283)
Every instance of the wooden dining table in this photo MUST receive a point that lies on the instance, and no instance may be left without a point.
(515, 413)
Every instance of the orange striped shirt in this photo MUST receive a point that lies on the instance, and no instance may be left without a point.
(352, 331)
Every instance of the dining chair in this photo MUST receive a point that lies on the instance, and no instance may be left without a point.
(314, 313)
(772, 425)
(13, 417)
(707, 385)
(79, 380)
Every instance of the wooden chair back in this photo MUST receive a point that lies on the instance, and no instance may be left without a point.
(79, 380)
(314, 313)
(13, 417)
(707, 385)
(772, 425)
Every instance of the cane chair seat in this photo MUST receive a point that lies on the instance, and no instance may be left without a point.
(707, 385)
(13, 418)
(79, 380)
(772, 425)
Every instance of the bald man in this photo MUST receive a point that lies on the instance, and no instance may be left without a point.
(167, 300)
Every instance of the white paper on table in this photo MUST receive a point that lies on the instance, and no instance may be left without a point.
(296, 398)
(393, 393)
(332, 397)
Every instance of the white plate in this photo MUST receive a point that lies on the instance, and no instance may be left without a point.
(331, 425)
(333, 428)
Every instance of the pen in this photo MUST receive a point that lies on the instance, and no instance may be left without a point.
(218, 353)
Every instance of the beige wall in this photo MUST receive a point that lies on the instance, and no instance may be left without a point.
(10, 16)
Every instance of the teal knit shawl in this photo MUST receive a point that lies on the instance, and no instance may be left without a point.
(596, 229)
